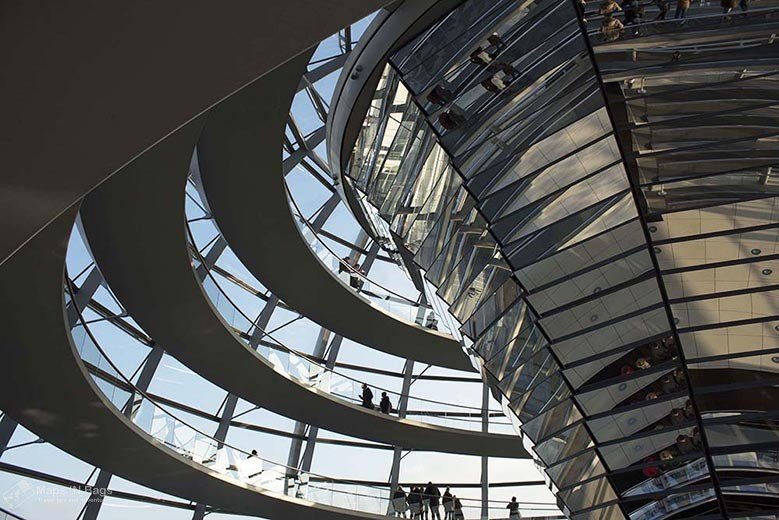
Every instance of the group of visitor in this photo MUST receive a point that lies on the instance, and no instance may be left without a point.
(673, 456)
(634, 12)
(650, 355)
(424, 502)
(501, 75)
(385, 405)
(658, 353)
(616, 16)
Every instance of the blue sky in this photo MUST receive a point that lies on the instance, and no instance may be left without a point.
(34, 499)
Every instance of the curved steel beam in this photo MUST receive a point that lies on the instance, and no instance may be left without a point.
(49, 391)
(142, 251)
(240, 164)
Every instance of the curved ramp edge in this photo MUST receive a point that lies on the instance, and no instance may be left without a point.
(136, 228)
(240, 162)
(48, 390)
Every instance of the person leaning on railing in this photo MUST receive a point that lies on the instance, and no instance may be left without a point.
(458, 509)
(351, 267)
(399, 504)
(342, 265)
(415, 502)
(513, 508)
(448, 502)
(430, 499)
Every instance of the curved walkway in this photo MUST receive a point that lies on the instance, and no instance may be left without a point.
(135, 225)
(700, 28)
(49, 391)
(241, 169)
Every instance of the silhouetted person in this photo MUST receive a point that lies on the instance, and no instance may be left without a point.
(448, 502)
(679, 377)
(458, 509)
(677, 417)
(344, 264)
(632, 11)
(384, 405)
(415, 502)
(668, 460)
(367, 396)
(355, 280)
(659, 352)
(399, 505)
(440, 95)
(496, 41)
(513, 508)
(663, 6)
(432, 499)
(451, 120)
(684, 445)
(431, 321)
(669, 384)
(689, 411)
(696, 438)
(510, 73)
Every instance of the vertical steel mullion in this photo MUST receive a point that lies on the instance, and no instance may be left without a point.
(485, 476)
(397, 456)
